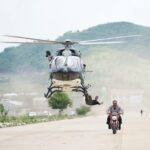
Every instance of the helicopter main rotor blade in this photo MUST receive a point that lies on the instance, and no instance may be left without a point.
(67, 43)
(35, 40)
(100, 43)
(118, 37)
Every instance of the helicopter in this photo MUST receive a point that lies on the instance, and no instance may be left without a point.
(67, 70)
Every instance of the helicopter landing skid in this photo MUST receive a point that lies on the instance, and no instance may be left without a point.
(52, 90)
(83, 89)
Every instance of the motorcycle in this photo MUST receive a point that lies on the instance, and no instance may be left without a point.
(114, 122)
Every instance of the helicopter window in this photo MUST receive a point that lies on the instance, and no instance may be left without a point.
(75, 52)
(59, 52)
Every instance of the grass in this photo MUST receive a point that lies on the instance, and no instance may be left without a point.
(10, 121)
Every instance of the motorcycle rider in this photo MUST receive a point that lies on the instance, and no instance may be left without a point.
(117, 109)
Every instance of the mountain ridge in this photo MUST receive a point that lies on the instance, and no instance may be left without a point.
(32, 57)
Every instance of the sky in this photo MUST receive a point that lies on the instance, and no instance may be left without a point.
(49, 19)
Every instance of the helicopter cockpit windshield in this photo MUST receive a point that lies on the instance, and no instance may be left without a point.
(68, 52)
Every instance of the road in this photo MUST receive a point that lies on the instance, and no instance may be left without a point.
(88, 133)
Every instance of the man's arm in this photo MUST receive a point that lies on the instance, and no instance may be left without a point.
(101, 103)
(121, 110)
(108, 110)
(97, 102)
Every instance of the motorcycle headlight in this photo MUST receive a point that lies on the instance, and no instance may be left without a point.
(114, 117)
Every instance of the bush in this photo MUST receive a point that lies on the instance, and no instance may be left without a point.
(59, 100)
(83, 110)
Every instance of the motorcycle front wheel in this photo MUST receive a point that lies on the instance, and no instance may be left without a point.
(114, 131)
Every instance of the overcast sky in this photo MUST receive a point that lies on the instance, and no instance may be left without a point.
(49, 19)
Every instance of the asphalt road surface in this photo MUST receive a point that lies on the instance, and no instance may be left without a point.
(89, 133)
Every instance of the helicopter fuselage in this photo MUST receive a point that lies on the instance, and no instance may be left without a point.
(67, 71)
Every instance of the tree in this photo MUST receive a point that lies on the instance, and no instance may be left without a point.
(59, 100)
(3, 113)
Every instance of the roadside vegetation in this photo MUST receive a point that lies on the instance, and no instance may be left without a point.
(58, 101)
(3, 113)
(83, 110)
(10, 121)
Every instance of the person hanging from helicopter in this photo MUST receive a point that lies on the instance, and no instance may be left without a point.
(48, 55)
(84, 67)
(90, 101)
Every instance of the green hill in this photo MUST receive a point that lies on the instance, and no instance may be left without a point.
(116, 69)
(32, 57)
